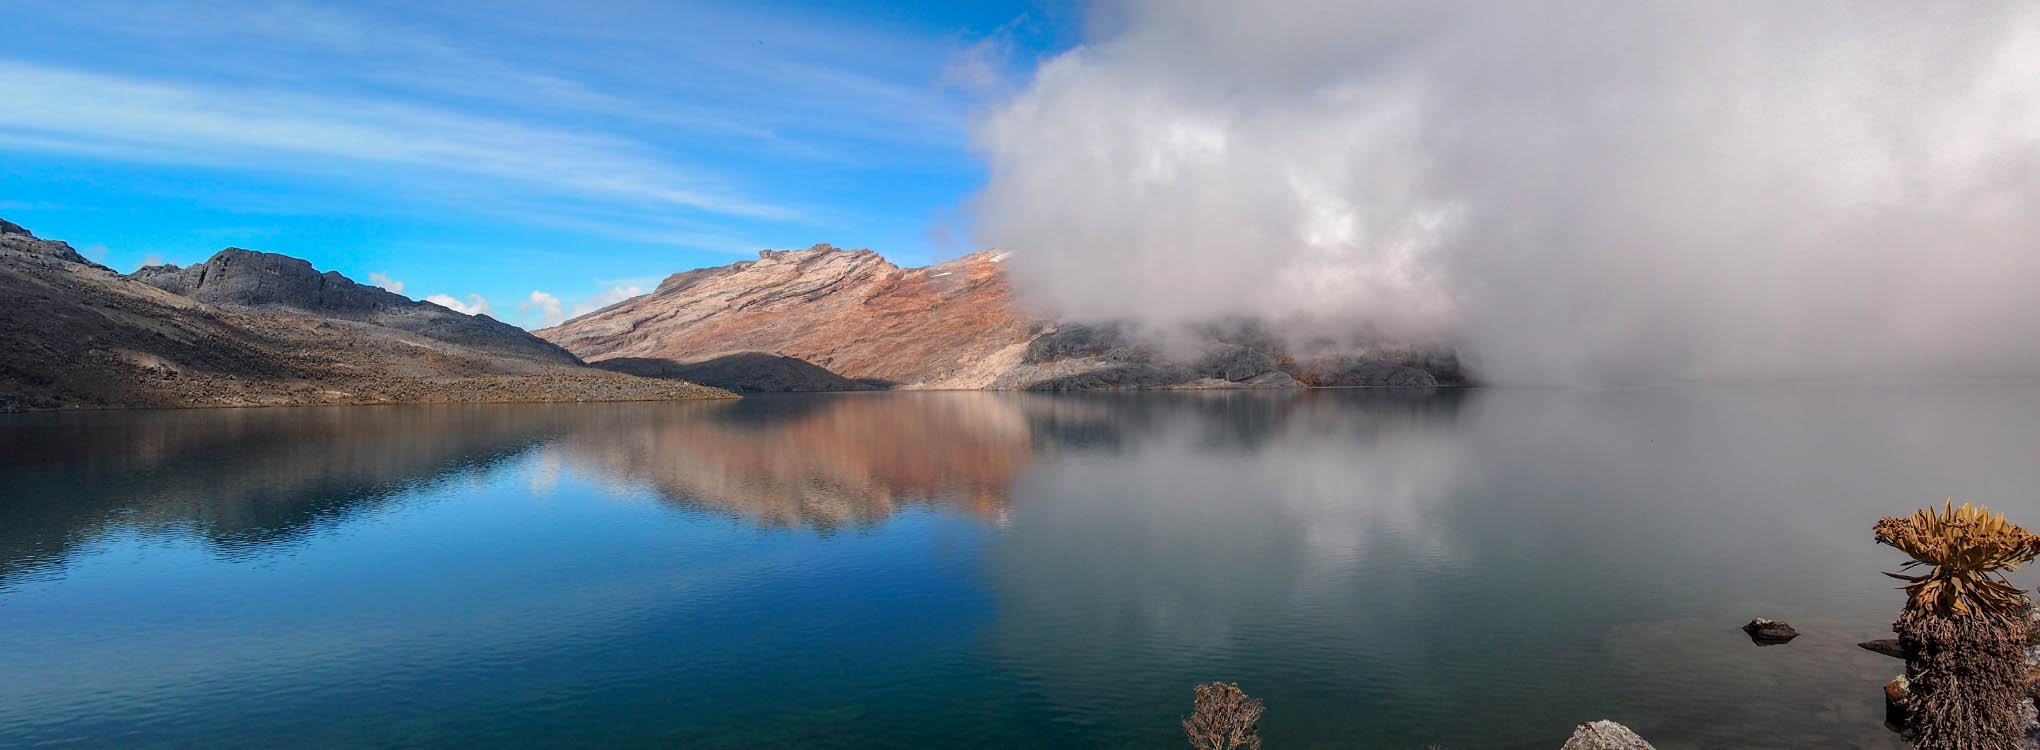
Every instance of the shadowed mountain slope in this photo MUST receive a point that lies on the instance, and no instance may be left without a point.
(248, 279)
(79, 335)
(754, 372)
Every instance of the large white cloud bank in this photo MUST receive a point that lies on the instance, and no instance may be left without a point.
(1571, 192)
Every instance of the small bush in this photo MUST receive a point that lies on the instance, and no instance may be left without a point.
(1225, 719)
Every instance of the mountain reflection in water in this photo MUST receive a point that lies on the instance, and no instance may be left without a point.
(1476, 569)
(248, 478)
(820, 462)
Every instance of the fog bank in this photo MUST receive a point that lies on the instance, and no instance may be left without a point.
(1569, 191)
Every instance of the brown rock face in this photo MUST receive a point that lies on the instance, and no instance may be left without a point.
(950, 325)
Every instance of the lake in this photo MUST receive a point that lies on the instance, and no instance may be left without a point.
(1473, 569)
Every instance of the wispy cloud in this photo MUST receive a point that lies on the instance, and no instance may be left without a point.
(608, 297)
(642, 135)
(58, 109)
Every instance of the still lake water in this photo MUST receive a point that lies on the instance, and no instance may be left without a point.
(1474, 569)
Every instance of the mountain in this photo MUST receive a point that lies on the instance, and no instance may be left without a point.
(254, 329)
(851, 312)
(955, 325)
(266, 281)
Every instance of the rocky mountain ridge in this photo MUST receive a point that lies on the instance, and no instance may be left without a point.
(78, 334)
(235, 277)
(954, 325)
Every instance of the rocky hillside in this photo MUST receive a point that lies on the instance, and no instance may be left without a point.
(848, 311)
(953, 325)
(79, 335)
(248, 279)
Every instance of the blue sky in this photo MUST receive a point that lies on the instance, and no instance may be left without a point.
(504, 148)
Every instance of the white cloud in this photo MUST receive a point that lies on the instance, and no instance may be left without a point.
(1609, 190)
(548, 307)
(610, 296)
(475, 304)
(383, 280)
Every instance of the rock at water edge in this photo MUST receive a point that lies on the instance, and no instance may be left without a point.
(1604, 735)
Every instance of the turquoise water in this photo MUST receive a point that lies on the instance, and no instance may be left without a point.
(1471, 569)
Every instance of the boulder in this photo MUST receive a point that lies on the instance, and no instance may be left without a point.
(1765, 632)
(1886, 646)
(1895, 693)
(1604, 735)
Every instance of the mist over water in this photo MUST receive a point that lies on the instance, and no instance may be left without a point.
(1575, 192)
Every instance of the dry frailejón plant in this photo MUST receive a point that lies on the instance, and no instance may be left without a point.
(1964, 627)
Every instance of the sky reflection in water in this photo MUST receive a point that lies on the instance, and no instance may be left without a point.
(1476, 569)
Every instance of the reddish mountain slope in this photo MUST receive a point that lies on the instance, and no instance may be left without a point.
(953, 325)
(850, 311)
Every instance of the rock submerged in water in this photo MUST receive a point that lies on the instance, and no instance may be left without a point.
(1895, 693)
(1604, 735)
(1886, 646)
(1765, 632)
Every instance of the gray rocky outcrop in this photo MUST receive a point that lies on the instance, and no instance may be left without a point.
(25, 246)
(1233, 362)
(1072, 341)
(1093, 374)
(1604, 735)
(249, 279)
(1351, 370)
(1075, 357)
